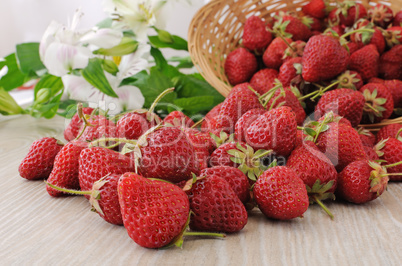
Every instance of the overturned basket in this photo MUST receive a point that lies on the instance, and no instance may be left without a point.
(217, 28)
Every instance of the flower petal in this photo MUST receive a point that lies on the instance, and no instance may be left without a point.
(103, 38)
(135, 62)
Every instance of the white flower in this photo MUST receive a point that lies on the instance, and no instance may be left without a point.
(137, 15)
(130, 97)
(63, 48)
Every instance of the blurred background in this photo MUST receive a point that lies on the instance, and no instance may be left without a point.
(26, 20)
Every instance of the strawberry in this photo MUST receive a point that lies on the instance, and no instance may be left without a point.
(99, 126)
(240, 66)
(275, 129)
(361, 181)
(154, 212)
(202, 143)
(344, 102)
(379, 102)
(295, 49)
(295, 27)
(371, 153)
(390, 63)
(237, 180)
(365, 61)
(245, 120)
(290, 72)
(341, 144)
(273, 55)
(322, 64)
(390, 150)
(256, 36)
(73, 127)
(38, 163)
(380, 15)
(166, 153)
(97, 162)
(315, 8)
(281, 194)
(285, 97)
(215, 206)
(350, 79)
(368, 139)
(132, 125)
(234, 106)
(263, 80)
(300, 138)
(179, 119)
(205, 126)
(347, 14)
(103, 197)
(221, 157)
(65, 168)
(393, 35)
(364, 38)
(397, 19)
(395, 87)
(388, 131)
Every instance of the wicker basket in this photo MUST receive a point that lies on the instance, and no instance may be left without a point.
(217, 29)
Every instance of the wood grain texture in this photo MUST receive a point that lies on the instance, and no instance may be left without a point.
(37, 229)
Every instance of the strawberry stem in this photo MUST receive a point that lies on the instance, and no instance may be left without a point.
(70, 191)
(160, 96)
(356, 31)
(318, 92)
(204, 234)
(323, 207)
(198, 123)
(392, 165)
(118, 140)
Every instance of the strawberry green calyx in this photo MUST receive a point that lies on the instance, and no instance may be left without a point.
(222, 138)
(319, 192)
(373, 106)
(295, 49)
(348, 80)
(379, 178)
(392, 37)
(249, 161)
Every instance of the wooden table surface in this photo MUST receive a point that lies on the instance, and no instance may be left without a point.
(36, 229)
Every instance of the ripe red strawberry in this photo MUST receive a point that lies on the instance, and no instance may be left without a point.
(344, 102)
(132, 125)
(391, 151)
(205, 126)
(240, 65)
(281, 194)
(179, 119)
(221, 157)
(154, 212)
(97, 162)
(350, 80)
(286, 97)
(390, 63)
(99, 126)
(395, 87)
(300, 138)
(368, 139)
(364, 38)
(263, 80)
(381, 15)
(315, 8)
(275, 129)
(256, 36)
(203, 145)
(322, 64)
(397, 19)
(290, 72)
(237, 180)
(361, 181)
(215, 206)
(166, 153)
(72, 129)
(341, 144)
(244, 121)
(371, 153)
(312, 165)
(347, 14)
(388, 131)
(365, 61)
(273, 55)
(234, 106)
(393, 35)
(65, 168)
(38, 163)
(379, 102)
(296, 28)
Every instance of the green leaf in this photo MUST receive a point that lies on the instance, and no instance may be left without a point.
(27, 55)
(94, 74)
(183, 62)
(14, 77)
(195, 104)
(53, 83)
(176, 42)
(160, 60)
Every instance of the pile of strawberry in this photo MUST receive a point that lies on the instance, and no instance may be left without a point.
(166, 178)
